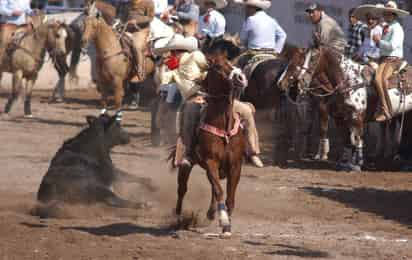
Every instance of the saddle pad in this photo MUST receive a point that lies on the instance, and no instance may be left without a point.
(255, 61)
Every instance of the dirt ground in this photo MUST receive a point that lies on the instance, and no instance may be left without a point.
(280, 214)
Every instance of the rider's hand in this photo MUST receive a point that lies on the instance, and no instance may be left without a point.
(199, 36)
(376, 38)
(17, 13)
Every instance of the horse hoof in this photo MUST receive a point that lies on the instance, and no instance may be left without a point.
(28, 116)
(349, 167)
(319, 157)
(211, 214)
(226, 232)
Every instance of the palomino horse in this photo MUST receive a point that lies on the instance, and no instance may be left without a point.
(73, 47)
(351, 101)
(26, 57)
(219, 152)
(114, 66)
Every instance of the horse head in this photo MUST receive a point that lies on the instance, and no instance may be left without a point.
(91, 25)
(226, 45)
(223, 78)
(58, 38)
(298, 71)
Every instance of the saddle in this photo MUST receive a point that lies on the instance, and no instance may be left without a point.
(250, 60)
(401, 78)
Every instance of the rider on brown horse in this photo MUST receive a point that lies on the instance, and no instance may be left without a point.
(187, 67)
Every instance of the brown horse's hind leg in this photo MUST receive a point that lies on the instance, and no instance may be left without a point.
(16, 87)
(182, 179)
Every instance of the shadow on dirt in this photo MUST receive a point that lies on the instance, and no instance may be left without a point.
(122, 229)
(288, 250)
(393, 205)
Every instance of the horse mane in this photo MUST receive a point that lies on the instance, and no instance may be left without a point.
(289, 50)
(107, 10)
(222, 44)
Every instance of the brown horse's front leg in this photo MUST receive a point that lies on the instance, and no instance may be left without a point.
(118, 93)
(182, 179)
(323, 148)
(231, 186)
(213, 176)
(213, 206)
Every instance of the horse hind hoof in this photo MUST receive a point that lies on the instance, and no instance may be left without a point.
(28, 116)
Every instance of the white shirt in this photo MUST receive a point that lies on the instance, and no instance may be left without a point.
(212, 23)
(369, 47)
(260, 31)
(160, 6)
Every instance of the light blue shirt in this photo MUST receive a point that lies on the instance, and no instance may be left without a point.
(7, 7)
(391, 43)
(260, 31)
(213, 26)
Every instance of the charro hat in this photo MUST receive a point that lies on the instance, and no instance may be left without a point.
(392, 7)
(219, 3)
(362, 11)
(177, 42)
(262, 4)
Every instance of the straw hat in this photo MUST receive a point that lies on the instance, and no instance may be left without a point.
(392, 7)
(361, 11)
(177, 42)
(219, 3)
(262, 4)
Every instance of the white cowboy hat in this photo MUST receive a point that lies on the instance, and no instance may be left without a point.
(177, 42)
(361, 11)
(392, 7)
(219, 3)
(262, 4)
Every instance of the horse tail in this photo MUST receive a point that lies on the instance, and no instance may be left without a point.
(75, 57)
(171, 158)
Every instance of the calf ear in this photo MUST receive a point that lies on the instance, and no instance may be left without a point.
(90, 119)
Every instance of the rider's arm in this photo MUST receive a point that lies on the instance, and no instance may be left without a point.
(193, 13)
(280, 37)
(5, 8)
(395, 42)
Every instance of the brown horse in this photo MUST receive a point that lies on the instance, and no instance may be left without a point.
(26, 57)
(343, 85)
(262, 91)
(114, 66)
(221, 156)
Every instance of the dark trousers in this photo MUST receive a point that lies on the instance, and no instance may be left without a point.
(190, 119)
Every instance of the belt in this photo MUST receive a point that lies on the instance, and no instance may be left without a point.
(390, 58)
(12, 25)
